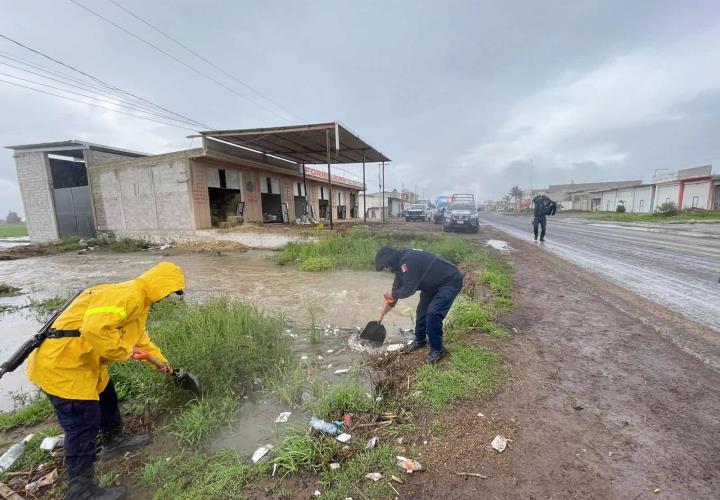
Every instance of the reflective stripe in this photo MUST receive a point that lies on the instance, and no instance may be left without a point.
(106, 309)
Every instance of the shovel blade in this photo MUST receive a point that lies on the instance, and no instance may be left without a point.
(374, 332)
(187, 381)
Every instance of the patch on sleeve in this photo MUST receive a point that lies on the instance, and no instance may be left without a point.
(404, 268)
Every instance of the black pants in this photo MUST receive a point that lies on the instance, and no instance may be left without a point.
(543, 223)
(82, 421)
(432, 309)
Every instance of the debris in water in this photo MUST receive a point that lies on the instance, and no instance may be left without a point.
(46, 480)
(499, 443)
(375, 476)
(322, 425)
(372, 443)
(283, 417)
(334, 466)
(52, 442)
(260, 453)
(394, 347)
(341, 371)
(344, 437)
(408, 464)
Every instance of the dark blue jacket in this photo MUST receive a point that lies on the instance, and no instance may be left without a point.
(542, 210)
(415, 270)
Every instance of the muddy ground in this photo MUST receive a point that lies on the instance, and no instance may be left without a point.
(649, 424)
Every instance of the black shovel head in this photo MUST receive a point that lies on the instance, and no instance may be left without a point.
(374, 332)
(187, 381)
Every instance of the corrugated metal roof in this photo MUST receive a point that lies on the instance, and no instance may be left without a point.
(71, 145)
(302, 143)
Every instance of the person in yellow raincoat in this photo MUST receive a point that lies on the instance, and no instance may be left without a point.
(104, 324)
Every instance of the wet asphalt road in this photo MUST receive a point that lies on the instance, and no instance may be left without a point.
(678, 271)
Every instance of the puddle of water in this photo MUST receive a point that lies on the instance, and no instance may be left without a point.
(345, 300)
(498, 245)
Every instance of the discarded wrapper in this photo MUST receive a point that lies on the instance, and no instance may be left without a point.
(260, 453)
(317, 493)
(347, 419)
(394, 347)
(52, 442)
(283, 417)
(499, 443)
(341, 371)
(344, 437)
(46, 480)
(334, 466)
(375, 476)
(408, 465)
(372, 443)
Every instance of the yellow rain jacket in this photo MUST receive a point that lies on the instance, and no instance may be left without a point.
(111, 320)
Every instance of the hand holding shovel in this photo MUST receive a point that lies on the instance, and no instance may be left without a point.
(182, 378)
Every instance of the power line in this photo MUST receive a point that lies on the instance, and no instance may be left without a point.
(178, 60)
(98, 80)
(204, 59)
(95, 105)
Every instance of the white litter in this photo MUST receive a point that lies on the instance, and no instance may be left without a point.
(46, 480)
(344, 437)
(334, 466)
(304, 357)
(52, 442)
(260, 453)
(330, 351)
(283, 417)
(394, 347)
(317, 493)
(165, 246)
(499, 443)
(498, 245)
(375, 476)
(372, 443)
(341, 371)
(320, 358)
(481, 415)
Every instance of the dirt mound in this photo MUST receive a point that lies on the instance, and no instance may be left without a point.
(216, 247)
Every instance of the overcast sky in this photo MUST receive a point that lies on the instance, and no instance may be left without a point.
(461, 95)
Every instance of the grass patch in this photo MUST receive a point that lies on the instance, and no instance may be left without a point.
(13, 230)
(356, 249)
(195, 476)
(467, 313)
(226, 343)
(302, 450)
(9, 290)
(38, 410)
(339, 400)
(43, 309)
(349, 480)
(687, 215)
(471, 372)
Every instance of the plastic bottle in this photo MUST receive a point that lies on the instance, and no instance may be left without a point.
(13, 453)
(324, 426)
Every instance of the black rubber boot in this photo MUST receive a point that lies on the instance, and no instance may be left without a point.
(119, 443)
(416, 345)
(84, 487)
(435, 356)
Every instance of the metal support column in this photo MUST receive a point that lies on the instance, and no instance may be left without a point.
(364, 192)
(307, 211)
(383, 192)
(330, 204)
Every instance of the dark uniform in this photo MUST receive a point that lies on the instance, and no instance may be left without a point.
(543, 207)
(438, 280)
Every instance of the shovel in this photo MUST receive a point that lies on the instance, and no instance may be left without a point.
(375, 331)
(182, 378)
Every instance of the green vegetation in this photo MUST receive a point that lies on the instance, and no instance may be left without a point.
(122, 245)
(471, 372)
(666, 216)
(33, 456)
(468, 314)
(357, 248)
(9, 290)
(38, 410)
(13, 230)
(301, 450)
(43, 309)
(349, 480)
(339, 400)
(227, 344)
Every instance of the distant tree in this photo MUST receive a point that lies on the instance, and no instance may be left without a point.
(516, 194)
(620, 208)
(13, 218)
(668, 209)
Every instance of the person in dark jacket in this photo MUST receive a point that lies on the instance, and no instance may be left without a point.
(544, 206)
(439, 282)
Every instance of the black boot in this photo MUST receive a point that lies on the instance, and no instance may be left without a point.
(435, 356)
(416, 345)
(84, 487)
(118, 443)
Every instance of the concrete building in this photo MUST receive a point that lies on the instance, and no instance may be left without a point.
(76, 188)
(690, 188)
(580, 196)
(636, 199)
(392, 201)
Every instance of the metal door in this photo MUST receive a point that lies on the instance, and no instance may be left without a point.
(73, 208)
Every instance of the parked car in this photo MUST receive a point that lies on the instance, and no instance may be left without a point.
(441, 204)
(418, 211)
(461, 214)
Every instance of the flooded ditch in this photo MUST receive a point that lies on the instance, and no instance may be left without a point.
(338, 303)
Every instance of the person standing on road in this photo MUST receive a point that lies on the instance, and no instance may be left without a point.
(439, 282)
(544, 206)
(104, 324)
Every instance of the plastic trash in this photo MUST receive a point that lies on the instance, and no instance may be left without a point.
(408, 464)
(347, 419)
(344, 437)
(317, 493)
(322, 425)
(260, 453)
(499, 443)
(52, 442)
(334, 466)
(46, 480)
(13, 453)
(372, 443)
(341, 371)
(283, 417)
(375, 476)
(394, 347)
